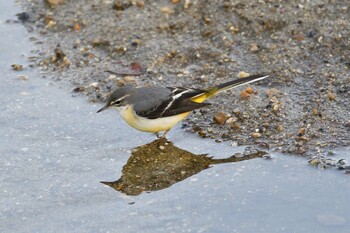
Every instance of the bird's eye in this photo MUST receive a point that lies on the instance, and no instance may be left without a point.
(116, 102)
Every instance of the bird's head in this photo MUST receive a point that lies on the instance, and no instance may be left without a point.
(118, 99)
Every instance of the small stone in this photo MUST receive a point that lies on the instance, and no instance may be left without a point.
(276, 107)
(238, 155)
(187, 4)
(231, 120)
(331, 96)
(220, 118)
(236, 111)
(244, 95)
(121, 5)
(256, 135)
(234, 29)
(209, 130)
(267, 156)
(249, 90)
(17, 67)
(23, 77)
(121, 83)
(299, 37)
(254, 47)
(78, 89)
(50, 24)
(301, 131)
(315, 112)
(280, 128)
(24, 16)
(166, 10)
(161, 147)
(135, 42)
(94, 85)
(301, 150)
(243, 74)
(140, 4)
(347, 124)
(175, 1)
(76, 26)
(202, 133)
(54, 3)
(129, 79)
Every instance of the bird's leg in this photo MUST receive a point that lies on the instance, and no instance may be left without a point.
(166, 131)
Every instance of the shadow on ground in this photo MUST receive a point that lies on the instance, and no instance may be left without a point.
(160, 164)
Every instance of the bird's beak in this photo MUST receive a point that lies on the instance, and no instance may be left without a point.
(102, 109)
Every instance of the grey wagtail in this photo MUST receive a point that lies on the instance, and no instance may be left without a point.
(156, 109)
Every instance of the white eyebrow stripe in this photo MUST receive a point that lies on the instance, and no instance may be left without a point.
(120, 99)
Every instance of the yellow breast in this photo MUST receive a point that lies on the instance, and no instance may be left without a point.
(150, 125)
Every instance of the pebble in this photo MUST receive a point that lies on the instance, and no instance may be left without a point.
(76, 27)
(161, 147)
(301, 150)
(50, 24)
(331, 96)
(231, 120)
(280, 128)
(315, 112)
(244, 95)
(267, 156)
(236, 111)
(249, 90)
(187, 4)
(140, 4)
(254, 47)
(78, 89)
(301, 131)
(94, 84)
(175, 1)
(136, 42)
(243, 74)
(54, 3)
(24, 16)
(238, 155)
(220, 118)
(166, 10)
(121, 5)
(17, 67)
(202, 133)
(129, 79)
(256, 135)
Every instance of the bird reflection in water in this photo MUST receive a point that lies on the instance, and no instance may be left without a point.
(160, 164)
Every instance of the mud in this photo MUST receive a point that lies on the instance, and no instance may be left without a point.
(304, 107)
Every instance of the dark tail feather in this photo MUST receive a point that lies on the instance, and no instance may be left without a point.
(240, 81)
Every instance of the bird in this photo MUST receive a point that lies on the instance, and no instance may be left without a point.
(156, 109)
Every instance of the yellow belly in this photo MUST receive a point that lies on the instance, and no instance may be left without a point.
(150, 125)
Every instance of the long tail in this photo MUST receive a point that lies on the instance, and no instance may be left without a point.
(226, 86)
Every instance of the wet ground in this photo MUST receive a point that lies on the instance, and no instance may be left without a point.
(55, 150)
